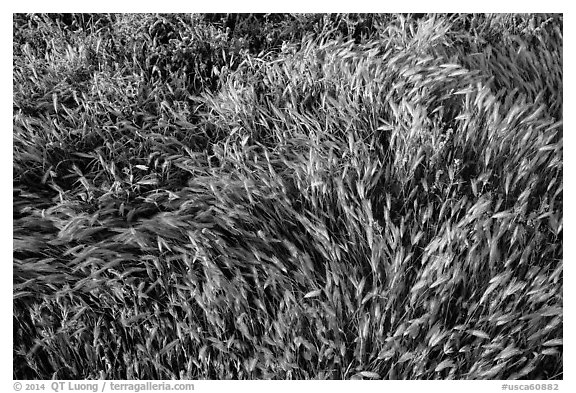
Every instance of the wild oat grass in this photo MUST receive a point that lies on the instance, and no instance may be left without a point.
(288, 196)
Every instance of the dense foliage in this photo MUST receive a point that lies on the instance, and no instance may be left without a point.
(287, 196)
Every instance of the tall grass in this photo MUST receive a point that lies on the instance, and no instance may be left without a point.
(288, 196)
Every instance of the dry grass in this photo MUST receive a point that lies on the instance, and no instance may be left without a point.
(377, 196)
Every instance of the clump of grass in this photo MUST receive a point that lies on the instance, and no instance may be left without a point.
(377, 197)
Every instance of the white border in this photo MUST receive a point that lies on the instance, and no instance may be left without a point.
(291, 6)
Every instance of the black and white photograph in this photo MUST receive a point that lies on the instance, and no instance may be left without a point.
(287, 196)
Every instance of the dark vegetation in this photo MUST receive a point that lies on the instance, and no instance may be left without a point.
(287, 196)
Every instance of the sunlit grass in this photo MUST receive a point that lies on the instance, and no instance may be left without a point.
(351, 196)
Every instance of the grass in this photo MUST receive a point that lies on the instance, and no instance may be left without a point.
(287, 196)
